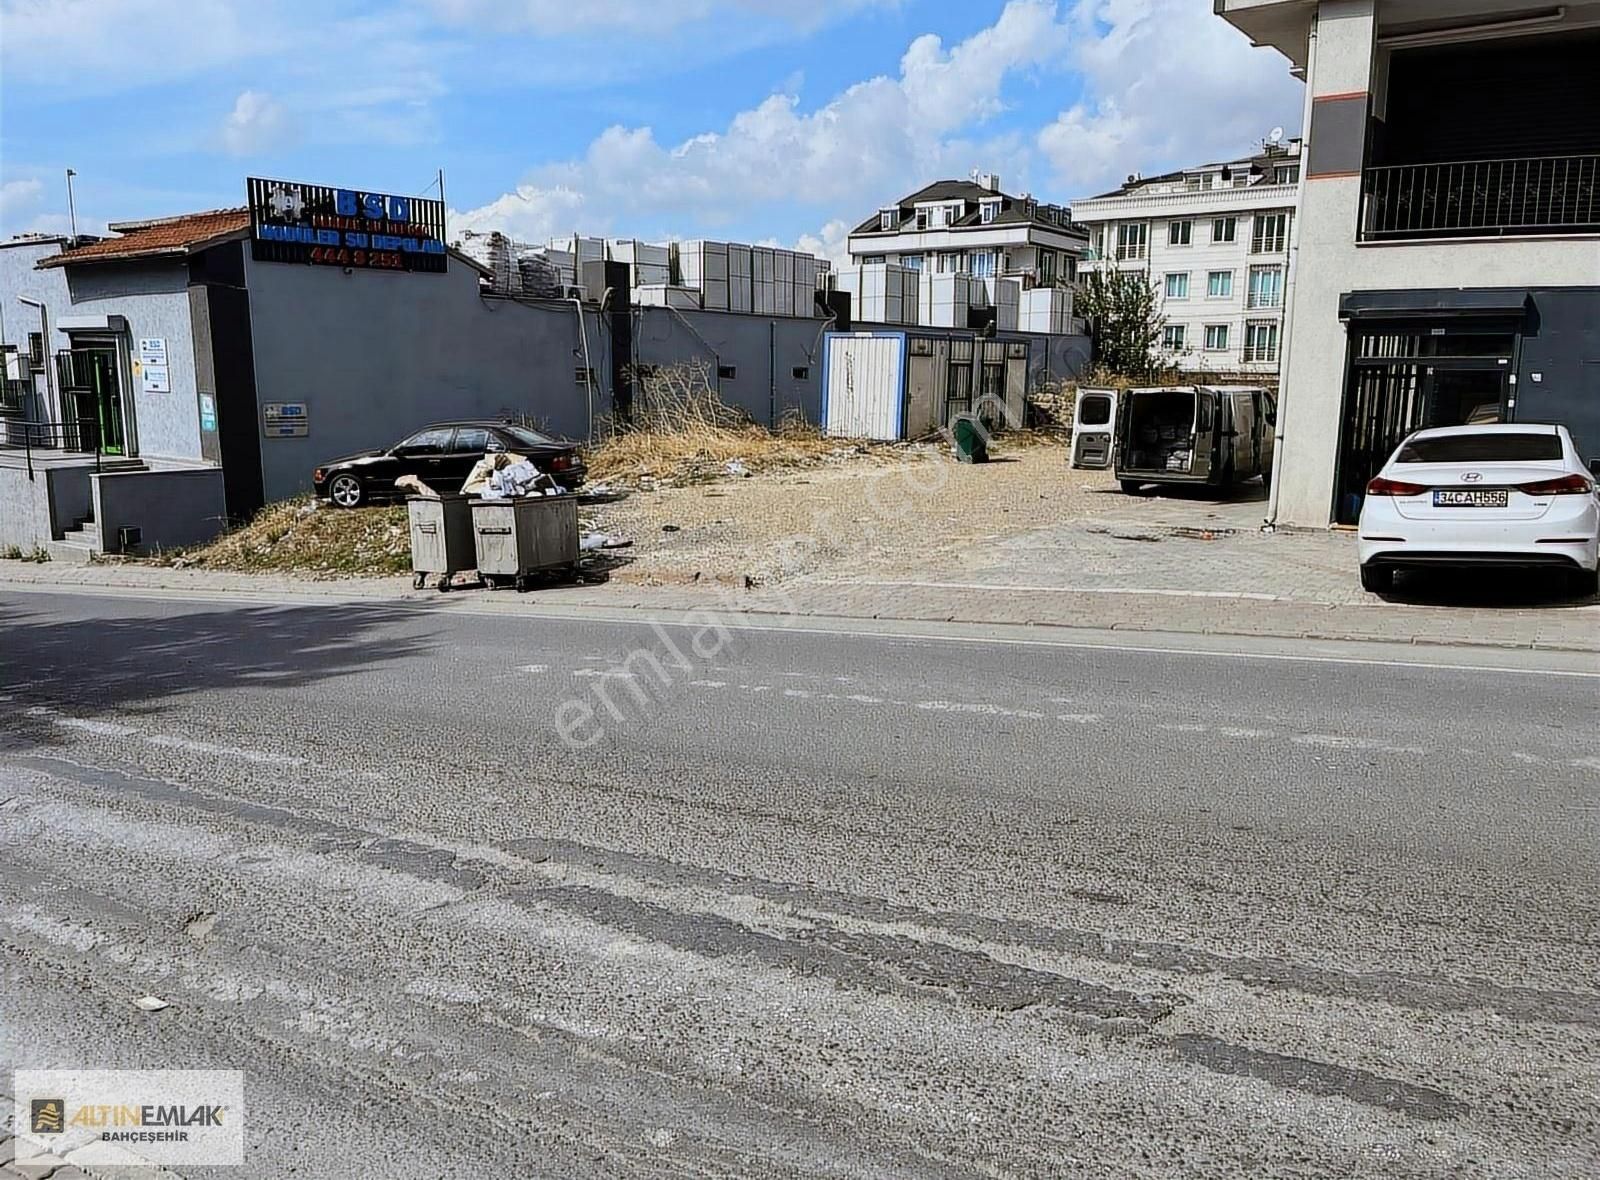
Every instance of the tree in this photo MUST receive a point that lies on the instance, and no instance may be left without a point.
(1124, 320)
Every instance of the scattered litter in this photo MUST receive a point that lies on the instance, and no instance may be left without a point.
(592, 541)
(1135, 537)
(150, 1003)
(672, 528)
(717, 494)
(413, 485)
(1195, 534)
(736, 468)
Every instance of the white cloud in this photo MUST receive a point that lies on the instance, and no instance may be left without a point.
(1212, 95)
(257, 122)
(566, 17)
(877, 138)
(18, 199)
(830, 242)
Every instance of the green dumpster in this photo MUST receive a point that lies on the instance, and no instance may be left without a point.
(971, 439)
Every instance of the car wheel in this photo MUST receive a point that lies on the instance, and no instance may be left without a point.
(346, 491)
(1131, 486)
(1585, 583)
(1376, 579)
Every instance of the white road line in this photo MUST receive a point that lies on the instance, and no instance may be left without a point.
(1080, 718)
(1185, 728)
(1028, 589)
(604, 673)
(1586, 763)
(708, 683)
(534, 668)
(1232, 732)
(102, 728)
(980, 709)
(1334, 741)
(167, 741)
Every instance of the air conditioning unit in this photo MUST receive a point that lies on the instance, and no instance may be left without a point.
(572, 292)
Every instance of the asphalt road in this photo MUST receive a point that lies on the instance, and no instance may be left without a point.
(805, 903)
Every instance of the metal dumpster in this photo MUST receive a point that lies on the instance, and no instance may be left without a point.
(441, 538)
(516, 538)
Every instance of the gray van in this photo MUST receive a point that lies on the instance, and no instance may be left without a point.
(1216, 435)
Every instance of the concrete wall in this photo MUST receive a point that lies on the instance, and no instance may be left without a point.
(24, 508)
(182, 506)
(764, 353)
(18, 277)
(375, 355)
(1558, 366)
(1331, 263)
(154, 298)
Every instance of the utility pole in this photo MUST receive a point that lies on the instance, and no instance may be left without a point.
(72, 209)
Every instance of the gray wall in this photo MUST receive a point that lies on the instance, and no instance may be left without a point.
(17, 319)
(154, 298)
(374, 355)
(1561, 344)
(172, 508)
(763, 351)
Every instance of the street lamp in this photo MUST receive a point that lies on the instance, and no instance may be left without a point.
(72, 209)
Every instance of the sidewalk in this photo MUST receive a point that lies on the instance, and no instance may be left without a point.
(1550, 624)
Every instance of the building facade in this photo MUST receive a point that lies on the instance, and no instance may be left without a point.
(1447, 254)
(1214, 241)
(971, 227)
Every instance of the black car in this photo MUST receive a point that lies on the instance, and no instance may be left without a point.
(442, 456)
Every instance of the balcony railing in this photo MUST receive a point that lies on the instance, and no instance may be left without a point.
(1482, 198)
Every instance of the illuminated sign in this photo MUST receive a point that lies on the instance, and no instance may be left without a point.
(321, 226)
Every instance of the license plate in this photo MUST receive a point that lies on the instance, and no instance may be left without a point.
(1471, 497)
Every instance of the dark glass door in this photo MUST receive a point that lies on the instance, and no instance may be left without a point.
(106, 397)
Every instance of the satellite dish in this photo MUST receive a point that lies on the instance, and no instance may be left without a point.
(1277, 135)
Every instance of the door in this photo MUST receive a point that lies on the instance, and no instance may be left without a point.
(1207, 437)
(1092, 417)
(92, 399)
(471, 442)
(426, 455)
(1244, 435)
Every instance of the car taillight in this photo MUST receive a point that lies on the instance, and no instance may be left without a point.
(1394, 487)
(318, 475)
(1567, 485)
(561, 463)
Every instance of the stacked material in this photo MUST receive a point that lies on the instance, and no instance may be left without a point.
(703, 266)
(946, 298)
(647, 264)
(666, 295)
(1046, 310)
(882, 293)
(494, 251)
(1004, 295)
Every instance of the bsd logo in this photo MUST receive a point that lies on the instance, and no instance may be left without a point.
(374, 205)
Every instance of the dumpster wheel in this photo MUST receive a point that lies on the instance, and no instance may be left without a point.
(419, 580)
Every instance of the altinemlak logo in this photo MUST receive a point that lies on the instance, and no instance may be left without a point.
(48, 1116)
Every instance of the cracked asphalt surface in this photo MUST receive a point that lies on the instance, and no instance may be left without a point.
(804, 903)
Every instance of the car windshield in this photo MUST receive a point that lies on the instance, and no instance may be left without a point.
(1496, 446)
(528, 438)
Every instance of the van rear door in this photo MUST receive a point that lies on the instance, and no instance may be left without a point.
(1093, 419)
(1207, 433)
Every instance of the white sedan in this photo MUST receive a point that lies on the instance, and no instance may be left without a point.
(1509, 495)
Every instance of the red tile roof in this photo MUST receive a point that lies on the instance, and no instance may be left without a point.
(174, 236)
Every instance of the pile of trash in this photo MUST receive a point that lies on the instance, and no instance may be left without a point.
(501, 476)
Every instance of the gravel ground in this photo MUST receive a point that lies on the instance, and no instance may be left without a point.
(859, 518)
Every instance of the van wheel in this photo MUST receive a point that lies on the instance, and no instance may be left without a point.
(1130, 486)
(1377, 579)
(1585, 583)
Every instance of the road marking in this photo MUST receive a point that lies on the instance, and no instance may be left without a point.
(1334, 741)
(1080, 718)
(709, 683)
(980, 709)
(604, 673)
(1231, 732)
(1028, 589)
(534, 668)
(1185, 728)
(167, 741)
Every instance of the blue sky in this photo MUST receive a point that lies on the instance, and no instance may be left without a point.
(757, 120)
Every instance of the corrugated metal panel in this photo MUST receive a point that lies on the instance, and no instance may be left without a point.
(863, 385)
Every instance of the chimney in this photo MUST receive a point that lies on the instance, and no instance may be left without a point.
(989, 181)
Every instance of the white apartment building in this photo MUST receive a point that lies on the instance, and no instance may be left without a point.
(971, 227)
(1214, 240)
(1446, 261)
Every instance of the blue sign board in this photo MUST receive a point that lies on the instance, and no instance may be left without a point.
(321, 226)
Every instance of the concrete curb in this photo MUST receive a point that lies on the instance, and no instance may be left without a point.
(1570, 629)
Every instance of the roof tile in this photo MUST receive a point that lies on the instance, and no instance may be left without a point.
(172, 236)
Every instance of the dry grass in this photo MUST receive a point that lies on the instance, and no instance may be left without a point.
(683, 433)
(304, 536)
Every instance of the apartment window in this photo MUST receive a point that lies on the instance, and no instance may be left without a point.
(1266, 286)
(1286, 174)
(1219, 284)
(1270, 233)
(1133, 240)
(1072, 268)
(1180, 233)
(1047, 267)
(801, 372)
(1225, 229)
(1178, 286)
(1098, 242)
(922, 219)
(727, 372)
(36, 349)
(1260, 342)
(1216, 337)
(1173, 337)
(886, 218)
(983, 263)
(874, 259)
(952, 263)
(988, 211)
(911, 261)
